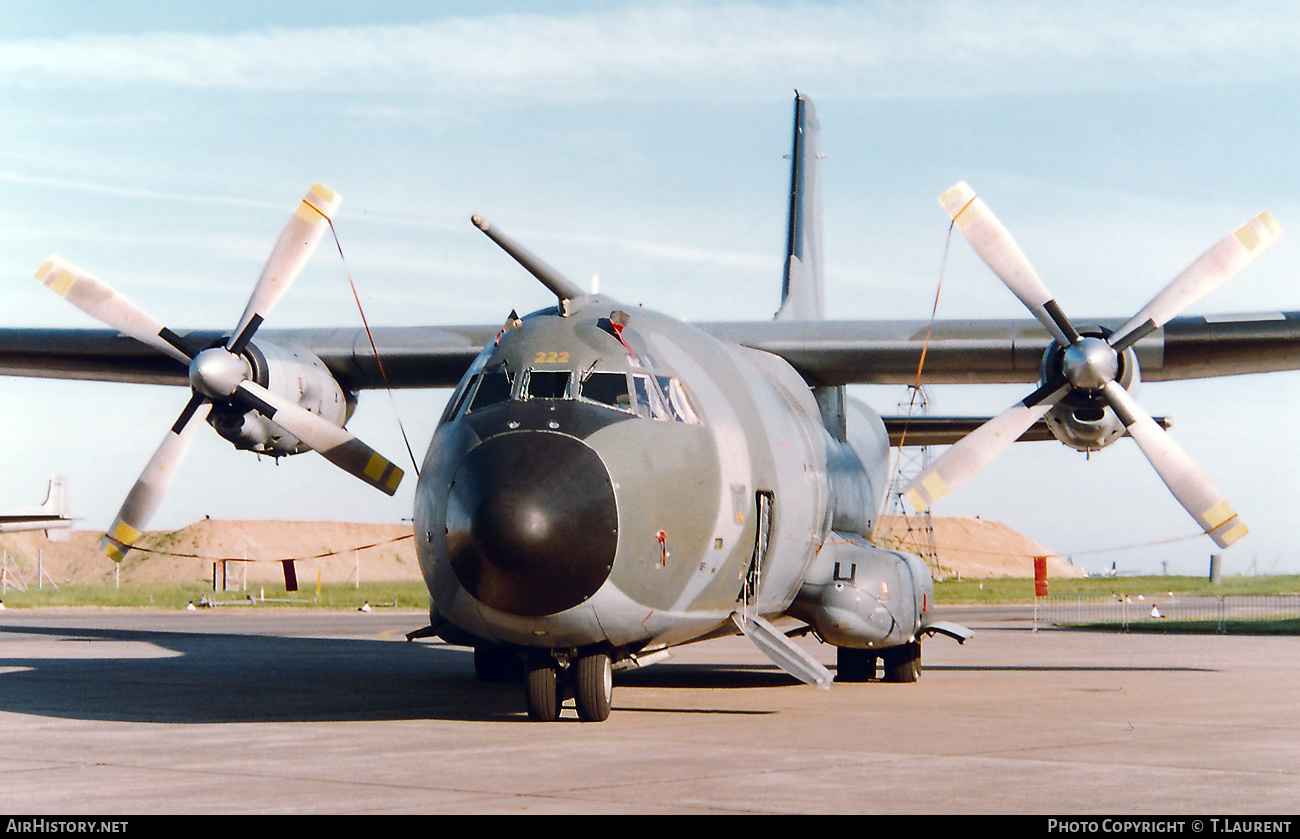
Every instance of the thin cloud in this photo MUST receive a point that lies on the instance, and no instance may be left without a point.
(104, 188)
(746, 49)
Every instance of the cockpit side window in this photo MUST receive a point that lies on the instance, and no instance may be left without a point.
(493, 388)
(454, 406)
(648, 400)
(608, 389)
(548, 384)
(679, 404)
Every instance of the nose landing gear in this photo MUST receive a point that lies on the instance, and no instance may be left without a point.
(549, 680)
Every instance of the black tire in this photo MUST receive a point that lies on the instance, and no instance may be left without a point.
(852, 665)
(595, 687)
(903, 664)
(542, 691)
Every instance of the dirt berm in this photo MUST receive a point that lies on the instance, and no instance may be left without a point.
(337, 552)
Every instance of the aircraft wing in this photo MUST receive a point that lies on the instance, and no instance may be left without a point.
(824, 352)
(1008, 351)
(412, 357)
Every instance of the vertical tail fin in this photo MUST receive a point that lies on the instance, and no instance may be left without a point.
(801, 295)
(55, 498)
(56, 504)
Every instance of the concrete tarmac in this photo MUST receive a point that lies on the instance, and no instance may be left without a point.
(226, 711)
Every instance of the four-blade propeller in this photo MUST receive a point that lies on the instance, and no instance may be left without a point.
(1091, 364)
(221, 374)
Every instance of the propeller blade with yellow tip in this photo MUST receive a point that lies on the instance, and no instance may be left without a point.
(993, 242)
(153, 483)
(1187, 481)
(1211, 270)
(97, 299)
(295, 246)
(337, 445)
(969, 455)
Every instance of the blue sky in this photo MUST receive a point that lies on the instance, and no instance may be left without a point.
(163, 145)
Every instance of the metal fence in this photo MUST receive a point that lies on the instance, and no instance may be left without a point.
(1125, 610)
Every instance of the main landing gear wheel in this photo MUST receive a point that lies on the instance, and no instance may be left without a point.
(543, 690)
(903, 664)
(595, 687)
(853, 665)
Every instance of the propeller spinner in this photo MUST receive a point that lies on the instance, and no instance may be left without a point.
(221, 374)
(1091, 364)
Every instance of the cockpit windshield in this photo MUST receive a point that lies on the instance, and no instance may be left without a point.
(493, 388)
(548, 384)
(607, 389)
(661, 398)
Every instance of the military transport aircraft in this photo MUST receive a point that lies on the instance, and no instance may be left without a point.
(50, 516)
(607, 482)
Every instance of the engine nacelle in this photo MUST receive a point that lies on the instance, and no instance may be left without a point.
(1082, 420)
(856, 487)
(859, 596)
(294, 374)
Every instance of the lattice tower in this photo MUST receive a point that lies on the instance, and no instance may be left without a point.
(917, 528)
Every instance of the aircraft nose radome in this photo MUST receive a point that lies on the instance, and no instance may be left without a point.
(532, 525)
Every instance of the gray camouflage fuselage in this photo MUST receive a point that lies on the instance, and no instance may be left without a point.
(636, 525)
